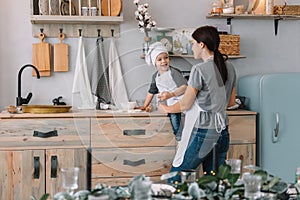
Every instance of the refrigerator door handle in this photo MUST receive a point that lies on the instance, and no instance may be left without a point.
(276, 129)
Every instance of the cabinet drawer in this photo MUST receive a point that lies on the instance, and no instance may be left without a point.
(37, 133)
(132, 132)
(242, 129)
(128, 162)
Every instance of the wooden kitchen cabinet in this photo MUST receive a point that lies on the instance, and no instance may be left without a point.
(30, 165)
(127, 147)
(242, 130)
(124, 145)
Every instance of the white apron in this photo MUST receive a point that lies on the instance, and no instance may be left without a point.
(165, 82)
(191, 116)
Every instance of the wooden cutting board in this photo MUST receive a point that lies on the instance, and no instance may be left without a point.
(41, 54)
(111, 7)
(61, 55)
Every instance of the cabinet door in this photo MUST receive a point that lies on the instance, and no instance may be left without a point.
(60, 158)
(21, 174)
(245, 152)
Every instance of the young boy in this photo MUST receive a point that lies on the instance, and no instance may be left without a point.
(167, 82)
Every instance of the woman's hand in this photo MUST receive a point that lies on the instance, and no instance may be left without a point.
(165, 95)
(162, 108)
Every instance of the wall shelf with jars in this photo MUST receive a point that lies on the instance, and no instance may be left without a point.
(276, 18)
(254, 9)
(71, 15)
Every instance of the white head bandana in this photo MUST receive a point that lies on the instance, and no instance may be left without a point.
(154, 50)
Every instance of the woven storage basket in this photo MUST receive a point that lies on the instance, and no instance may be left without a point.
(230, 44)
(287, 10)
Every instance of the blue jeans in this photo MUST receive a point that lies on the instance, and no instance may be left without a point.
(175, 119)
(201, 148)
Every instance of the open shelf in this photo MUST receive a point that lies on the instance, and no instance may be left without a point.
(54, 19)
(276, 18)
(191, 56)
(252, 16)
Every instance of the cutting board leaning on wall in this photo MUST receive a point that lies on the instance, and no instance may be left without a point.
(61, 55)
(41, 54)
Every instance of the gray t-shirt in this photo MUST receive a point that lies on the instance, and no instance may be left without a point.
(213, 96)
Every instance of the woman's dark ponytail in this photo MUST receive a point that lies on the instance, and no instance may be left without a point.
(210, 37)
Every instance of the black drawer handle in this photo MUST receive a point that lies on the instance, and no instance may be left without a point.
(135, 132)
(54, 163)
(36, 165)
(45, 135)
(134, 163)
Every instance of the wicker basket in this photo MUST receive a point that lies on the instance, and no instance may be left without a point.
(230, 44)
(287, 10)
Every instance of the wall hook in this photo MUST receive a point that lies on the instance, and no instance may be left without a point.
(99, 32)
(60, 30)
(80, 30)
(112, 32)
(42, 30)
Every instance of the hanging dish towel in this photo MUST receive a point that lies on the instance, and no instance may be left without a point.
(98, 73)
(81, 83)
(117, 85)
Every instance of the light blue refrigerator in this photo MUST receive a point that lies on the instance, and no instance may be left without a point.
(276, 99)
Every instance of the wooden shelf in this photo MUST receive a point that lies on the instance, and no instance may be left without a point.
(55, 19)
(250, 16)
(276, 18)
(91, 26)
(191, 56)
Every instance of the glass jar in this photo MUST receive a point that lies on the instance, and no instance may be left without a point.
(228, 7)
(269, 7)
(216, 7)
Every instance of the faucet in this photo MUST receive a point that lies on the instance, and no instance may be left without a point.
(20, 99)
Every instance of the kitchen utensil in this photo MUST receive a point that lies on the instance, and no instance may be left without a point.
(44, 7)
(41, 53)
(65, 8)
(61, 55)
(54, 7)
(111, 7)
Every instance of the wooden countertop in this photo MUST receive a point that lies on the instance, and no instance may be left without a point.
(102, 114)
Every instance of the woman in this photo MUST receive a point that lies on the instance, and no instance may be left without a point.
(205, 100)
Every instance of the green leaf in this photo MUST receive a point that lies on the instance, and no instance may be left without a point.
(263, 174)
(224, 171)
(45, 197)
(232, 178)
(271, 184)
(206, 179)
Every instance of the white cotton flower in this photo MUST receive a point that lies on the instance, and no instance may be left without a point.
(148, 26)
(145, 22)
(147, 16)
(142, 30)
(141, 23)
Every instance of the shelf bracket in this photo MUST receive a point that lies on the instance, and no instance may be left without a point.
(276, 24)
(229, 20)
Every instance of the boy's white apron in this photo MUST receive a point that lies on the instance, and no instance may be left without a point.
(165, 82)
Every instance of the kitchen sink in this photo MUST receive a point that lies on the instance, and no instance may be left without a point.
(43, 109)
